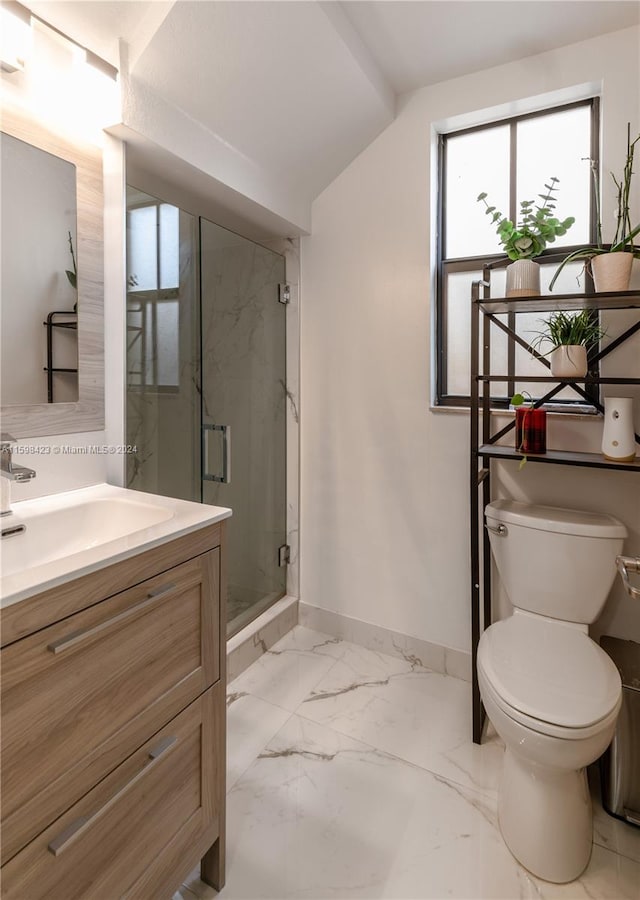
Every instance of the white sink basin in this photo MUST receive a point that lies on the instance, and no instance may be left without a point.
(67, 535)
(56, 533)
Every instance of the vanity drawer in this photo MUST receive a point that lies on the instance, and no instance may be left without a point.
(123, 838)
(79, 696)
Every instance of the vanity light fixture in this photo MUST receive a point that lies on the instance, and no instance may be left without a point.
(15, 36)
(16, 40)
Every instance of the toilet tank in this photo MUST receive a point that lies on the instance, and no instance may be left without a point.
(554, 562)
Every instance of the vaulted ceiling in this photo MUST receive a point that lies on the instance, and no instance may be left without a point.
(298, 88)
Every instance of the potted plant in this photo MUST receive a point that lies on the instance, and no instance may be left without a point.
(526, 239)
(571, 336)
(611, 264)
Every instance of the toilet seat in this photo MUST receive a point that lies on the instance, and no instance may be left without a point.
(542, 727)
(549, 676)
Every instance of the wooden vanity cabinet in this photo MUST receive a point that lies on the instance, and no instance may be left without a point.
(113, 729)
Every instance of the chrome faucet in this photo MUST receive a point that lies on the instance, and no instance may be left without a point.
(10, 471)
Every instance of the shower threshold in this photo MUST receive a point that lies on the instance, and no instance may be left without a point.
(247, 645)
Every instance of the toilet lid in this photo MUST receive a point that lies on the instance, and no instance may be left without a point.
(549, 670)
(555, 519)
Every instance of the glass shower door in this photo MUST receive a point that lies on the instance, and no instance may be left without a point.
(244, 412)
(163, 348)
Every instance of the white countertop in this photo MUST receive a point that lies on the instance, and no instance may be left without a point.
(73, 533)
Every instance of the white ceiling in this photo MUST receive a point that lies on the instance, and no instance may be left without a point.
(300, 87)
(420, 43)
(273, 79)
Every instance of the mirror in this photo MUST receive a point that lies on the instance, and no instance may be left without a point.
(38, 333)
(52, 235)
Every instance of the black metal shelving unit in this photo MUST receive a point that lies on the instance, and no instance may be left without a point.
(70, 323)
(485, 443)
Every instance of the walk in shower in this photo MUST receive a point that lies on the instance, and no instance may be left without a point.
(206, 384)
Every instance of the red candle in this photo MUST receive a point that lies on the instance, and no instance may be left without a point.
(531, 430)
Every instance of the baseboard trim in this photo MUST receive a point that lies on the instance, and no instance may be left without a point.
(248, 645)
(456, 663)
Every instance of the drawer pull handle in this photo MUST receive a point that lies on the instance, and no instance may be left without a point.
(65, 837)
(162, 747)
(64, 840)
(77, 637)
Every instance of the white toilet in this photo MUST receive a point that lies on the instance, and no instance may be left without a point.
(551, 693)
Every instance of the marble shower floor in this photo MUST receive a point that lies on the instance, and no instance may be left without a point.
(351, 774)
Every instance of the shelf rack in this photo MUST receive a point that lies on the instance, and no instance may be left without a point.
(484, 443)
(70, 323)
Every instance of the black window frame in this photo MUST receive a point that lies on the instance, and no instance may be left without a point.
(458, 264)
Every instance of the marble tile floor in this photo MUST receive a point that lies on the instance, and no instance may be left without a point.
(351, 774)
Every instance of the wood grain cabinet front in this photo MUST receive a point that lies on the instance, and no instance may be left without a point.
(123, 838)
(112, 740)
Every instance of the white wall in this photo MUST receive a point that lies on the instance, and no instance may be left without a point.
(147, 115)
(384, 490)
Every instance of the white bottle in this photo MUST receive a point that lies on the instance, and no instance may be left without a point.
(618, 440)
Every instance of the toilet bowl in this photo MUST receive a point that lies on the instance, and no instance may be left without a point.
(551, 693)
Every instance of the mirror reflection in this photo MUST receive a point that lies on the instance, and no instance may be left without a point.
(38, 308)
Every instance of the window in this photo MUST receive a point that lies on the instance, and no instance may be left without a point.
(510, 160)
(153, 295)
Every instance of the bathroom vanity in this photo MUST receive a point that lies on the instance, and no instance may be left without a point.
(113, 702)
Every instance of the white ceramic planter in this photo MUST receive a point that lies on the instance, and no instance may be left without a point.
(523, 279)
(611, 271)
(569, 361)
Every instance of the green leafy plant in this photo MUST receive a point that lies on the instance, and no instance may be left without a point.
(625, 234)
(536, 227)
(569, 329)
(72, 275)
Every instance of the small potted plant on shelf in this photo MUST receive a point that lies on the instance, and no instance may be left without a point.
(571, 336)
(611, 264)
(527, 238)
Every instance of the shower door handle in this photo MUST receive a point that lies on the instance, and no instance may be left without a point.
(225, 430)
